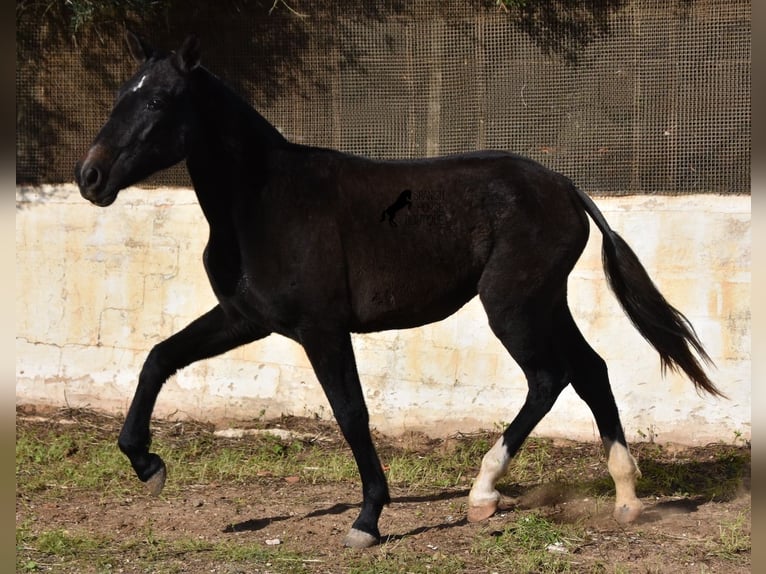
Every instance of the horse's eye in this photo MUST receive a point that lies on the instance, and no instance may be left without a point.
(155, 104)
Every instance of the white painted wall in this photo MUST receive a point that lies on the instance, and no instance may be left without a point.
(96, 288)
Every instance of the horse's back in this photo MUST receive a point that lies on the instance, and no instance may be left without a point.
(425, 260)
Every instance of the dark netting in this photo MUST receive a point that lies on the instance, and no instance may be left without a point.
(640, 96)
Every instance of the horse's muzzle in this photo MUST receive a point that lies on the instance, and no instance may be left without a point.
(91, 178)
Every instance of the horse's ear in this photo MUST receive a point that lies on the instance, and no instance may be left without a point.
(139, 50)
(188, 56)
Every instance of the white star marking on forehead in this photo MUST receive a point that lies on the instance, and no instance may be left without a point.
(140, 84)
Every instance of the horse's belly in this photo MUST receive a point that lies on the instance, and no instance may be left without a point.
(409, 296)
(407, 318)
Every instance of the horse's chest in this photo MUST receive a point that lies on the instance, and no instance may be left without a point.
(243, 292)
(223, 264)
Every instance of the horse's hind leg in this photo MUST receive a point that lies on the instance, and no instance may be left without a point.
(526, 332)
(591, 382)
(549, 359)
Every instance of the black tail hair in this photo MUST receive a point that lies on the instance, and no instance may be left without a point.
(661, 324)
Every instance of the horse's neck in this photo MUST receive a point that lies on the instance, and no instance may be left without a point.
(228, 119)
(229, 149)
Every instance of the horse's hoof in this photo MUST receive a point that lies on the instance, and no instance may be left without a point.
(481, 513)
(156, 482)
(628, 512)
(358, 539)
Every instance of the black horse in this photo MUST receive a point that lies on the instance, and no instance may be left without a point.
(296, 248)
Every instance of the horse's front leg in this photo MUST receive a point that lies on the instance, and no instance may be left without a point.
(332, 357)
(212, 334)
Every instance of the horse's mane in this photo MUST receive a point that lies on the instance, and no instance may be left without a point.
(231, 107)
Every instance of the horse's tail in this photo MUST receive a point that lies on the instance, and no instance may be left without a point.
(662, 325)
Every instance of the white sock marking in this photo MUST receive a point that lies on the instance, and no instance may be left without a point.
(624, 470)
(493, 466)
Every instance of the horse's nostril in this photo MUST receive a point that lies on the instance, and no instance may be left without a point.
(91, 177)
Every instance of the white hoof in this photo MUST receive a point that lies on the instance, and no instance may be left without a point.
(482, 506)
(358, 539)
(481, 513)
(627, 512)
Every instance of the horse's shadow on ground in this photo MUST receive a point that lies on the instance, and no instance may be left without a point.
(255, 524)
(652, 514)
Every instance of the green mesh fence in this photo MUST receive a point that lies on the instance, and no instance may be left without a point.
(624, 97)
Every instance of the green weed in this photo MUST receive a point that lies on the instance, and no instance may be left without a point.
(530, 544)
(734, 539)
(59, 549)
(54, 548)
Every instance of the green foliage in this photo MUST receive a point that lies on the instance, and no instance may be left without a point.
(87, 12)
(79, 15)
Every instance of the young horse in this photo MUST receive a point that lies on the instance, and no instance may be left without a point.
(296, 247)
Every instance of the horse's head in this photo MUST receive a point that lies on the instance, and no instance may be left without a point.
(148, 126)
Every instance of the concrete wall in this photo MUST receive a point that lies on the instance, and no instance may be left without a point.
(96, 288)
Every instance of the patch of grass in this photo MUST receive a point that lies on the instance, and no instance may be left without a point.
(56, 458)
(24, 537)
(734, 540)
(61, 550)
(531, 463)
(281, 559)
(531, 544)
(61, 543)
(451, 463)
(422, 473)
(53, 548)
(85, 456)
(66, 458)
(260, 458)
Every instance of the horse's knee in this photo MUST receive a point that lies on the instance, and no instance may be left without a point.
(157, 365)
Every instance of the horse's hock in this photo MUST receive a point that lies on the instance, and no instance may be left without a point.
(126, 278)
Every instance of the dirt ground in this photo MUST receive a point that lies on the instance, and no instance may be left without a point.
(676, 533)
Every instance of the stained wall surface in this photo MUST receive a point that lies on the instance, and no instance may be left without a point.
(97, 288)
